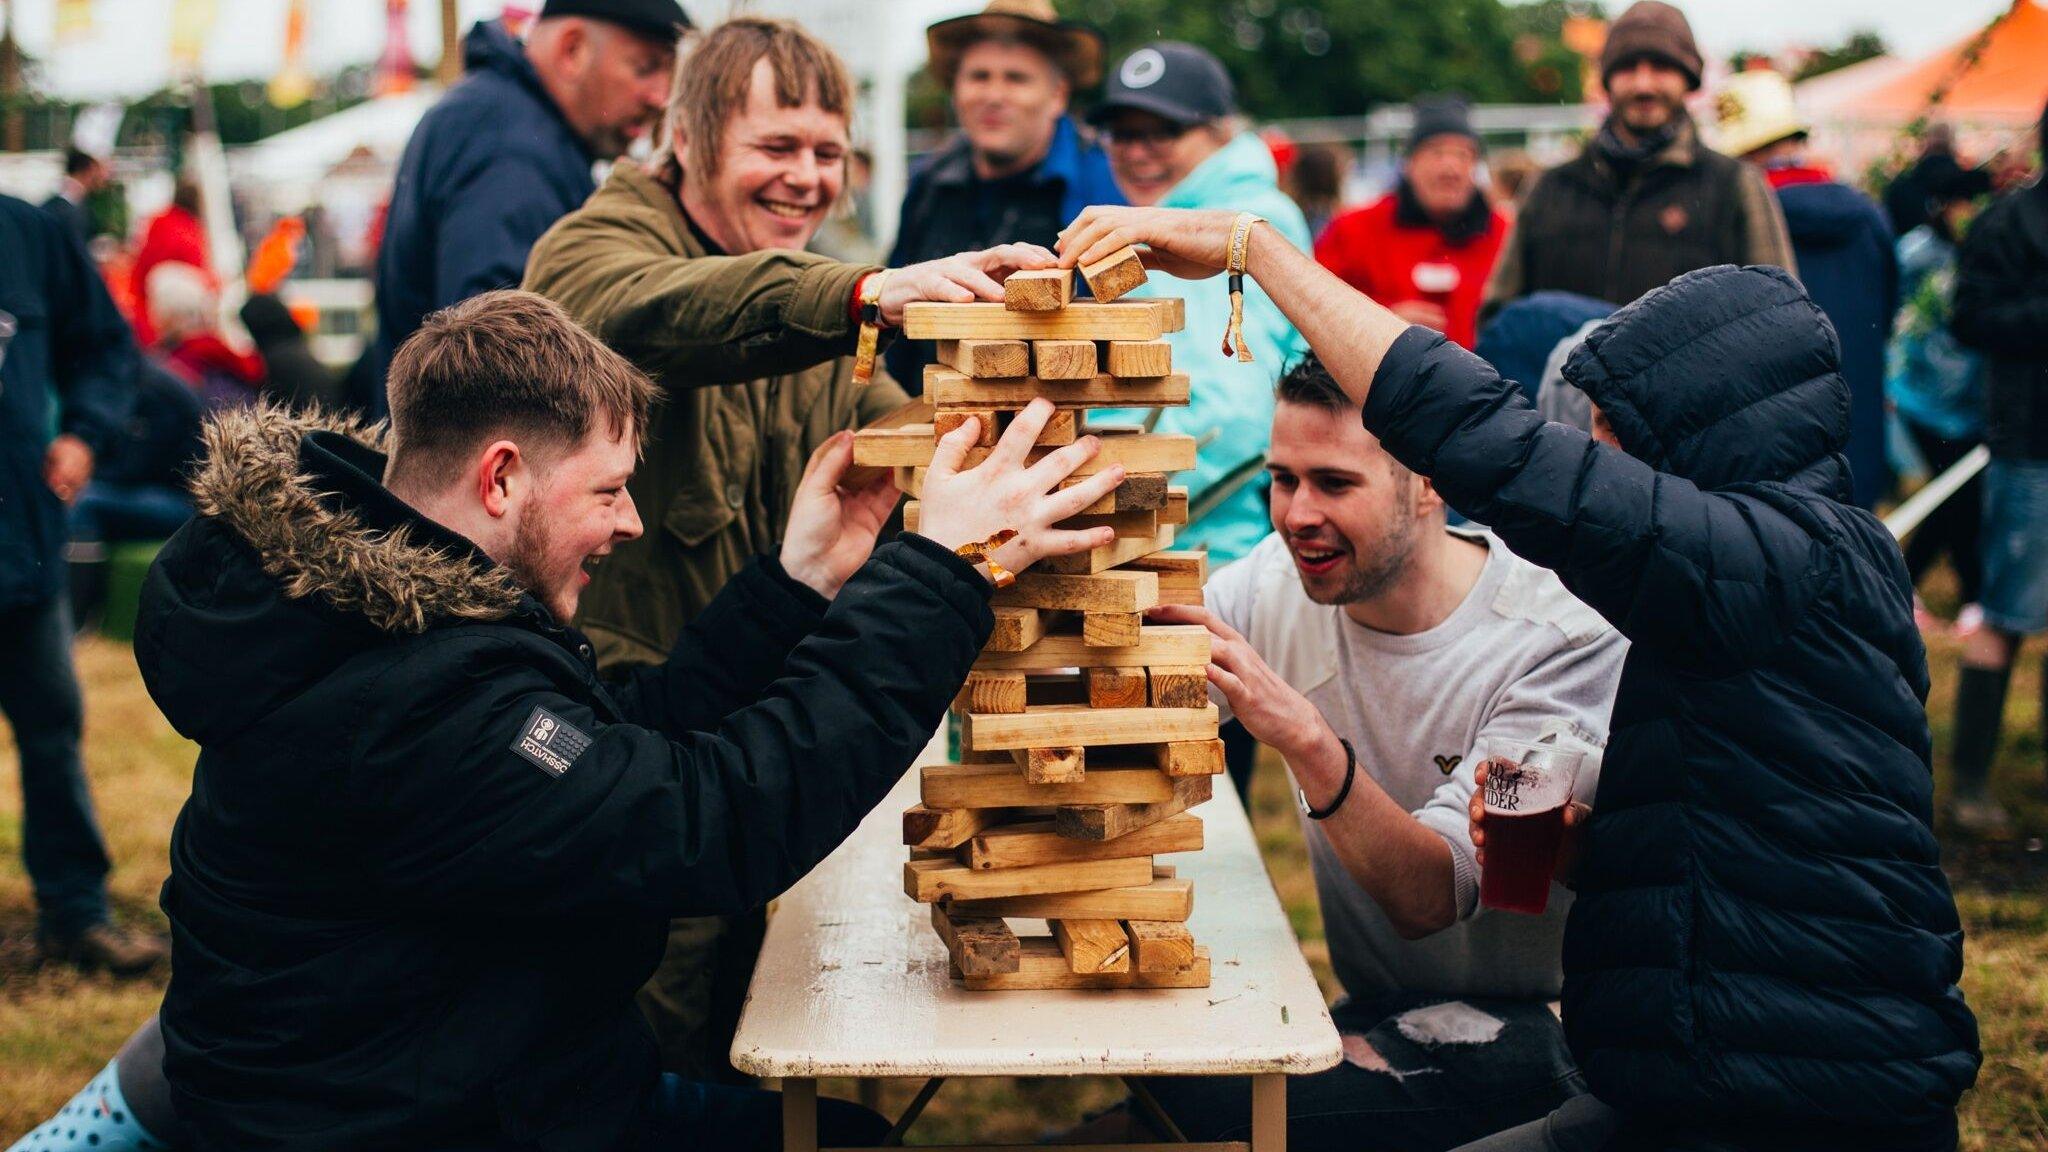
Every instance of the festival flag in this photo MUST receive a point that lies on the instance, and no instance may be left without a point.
(292, 86)
(191, 26)
(74, 21)
(395, 68)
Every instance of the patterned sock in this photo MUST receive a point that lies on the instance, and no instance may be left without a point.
(96, 1120)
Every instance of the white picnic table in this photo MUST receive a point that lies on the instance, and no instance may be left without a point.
(852, 981)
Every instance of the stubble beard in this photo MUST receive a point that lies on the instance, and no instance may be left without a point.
(1369, 577)
(530, 543)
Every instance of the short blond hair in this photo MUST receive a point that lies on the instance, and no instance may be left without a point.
(505, 364)
(713, 78)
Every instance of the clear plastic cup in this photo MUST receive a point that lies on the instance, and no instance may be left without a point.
(1528, 787)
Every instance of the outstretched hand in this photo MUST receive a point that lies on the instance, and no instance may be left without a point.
(960, 506)
(1268, 706)
(832, 528)
(1188, 243)
(960, 279)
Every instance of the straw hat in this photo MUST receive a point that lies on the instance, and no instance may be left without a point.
(1075, 48)
(1754, 109)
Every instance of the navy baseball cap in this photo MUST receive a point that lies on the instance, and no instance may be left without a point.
(655, 19)
(1172, 80)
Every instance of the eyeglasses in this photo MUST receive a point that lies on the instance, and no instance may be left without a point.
(1154, 137)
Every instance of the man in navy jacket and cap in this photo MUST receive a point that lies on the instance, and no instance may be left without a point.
(1763, 952)
(510, 150)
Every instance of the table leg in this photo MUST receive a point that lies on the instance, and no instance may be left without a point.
(1269, 1113)
(799, 1114)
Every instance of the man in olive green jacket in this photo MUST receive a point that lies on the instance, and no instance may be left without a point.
(692, 267)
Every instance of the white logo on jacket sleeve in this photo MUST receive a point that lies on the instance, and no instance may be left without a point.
(550, 742)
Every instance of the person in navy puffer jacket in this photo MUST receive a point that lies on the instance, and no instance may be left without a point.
(510, 150)
(1764, 949)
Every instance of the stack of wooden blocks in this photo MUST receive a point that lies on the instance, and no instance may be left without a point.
(1086, 734)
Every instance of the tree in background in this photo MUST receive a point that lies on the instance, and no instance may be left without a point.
(1293, 59)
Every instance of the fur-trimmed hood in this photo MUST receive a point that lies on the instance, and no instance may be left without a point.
(299, 563)
(319, 539)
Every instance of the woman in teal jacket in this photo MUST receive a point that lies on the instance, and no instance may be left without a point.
(1174, 141)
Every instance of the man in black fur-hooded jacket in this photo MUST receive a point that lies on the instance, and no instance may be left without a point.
(1763, 952)
(428, 857)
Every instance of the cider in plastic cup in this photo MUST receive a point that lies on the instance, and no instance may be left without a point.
(1528, 787)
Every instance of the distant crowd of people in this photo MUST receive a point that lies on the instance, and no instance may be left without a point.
(494, 788)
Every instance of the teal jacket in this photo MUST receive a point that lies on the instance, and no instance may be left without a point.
(1231, 410)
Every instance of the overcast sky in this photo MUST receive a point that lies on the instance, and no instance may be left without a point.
(126, 54)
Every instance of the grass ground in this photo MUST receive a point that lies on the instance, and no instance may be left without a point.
(57, 1028)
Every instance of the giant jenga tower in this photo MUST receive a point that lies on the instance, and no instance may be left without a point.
(1086, 733)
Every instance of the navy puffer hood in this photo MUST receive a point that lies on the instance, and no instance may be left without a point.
(1724, 376)
(1764, 949)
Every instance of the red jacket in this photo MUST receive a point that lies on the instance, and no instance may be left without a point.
(1389, 252)
(173, 235)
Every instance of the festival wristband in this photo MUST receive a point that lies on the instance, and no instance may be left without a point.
(870, 296)
(982, 553)
(1240, 240)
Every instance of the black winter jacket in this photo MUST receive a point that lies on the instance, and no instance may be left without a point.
(2002, 310)
(1764, 947)
(428, 858)
(70, 367)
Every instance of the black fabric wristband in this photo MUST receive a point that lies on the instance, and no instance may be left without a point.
(1350, 774)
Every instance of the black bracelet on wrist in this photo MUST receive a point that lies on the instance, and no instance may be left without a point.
(1350, 772)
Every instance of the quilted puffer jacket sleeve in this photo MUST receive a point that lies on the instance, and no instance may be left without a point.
(1707, 579)
(496, 790)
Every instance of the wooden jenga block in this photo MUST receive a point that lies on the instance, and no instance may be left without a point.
(1002, 786)
(1111, 629)
(1052, 765)
(1063, 359)
(1128, 320)
(1041, 966)
(948, 828)
(1181, 574)
(1139, 359)
(1017, 629)
(1062, 429)
(1093, 945)
(1062, 725)
(912, 444)
(983, 945)
(951, 419)
(927, 880)
(1114, 274)
(1159, 945)
(1126, 525)
(1109, 821)
(1140, 492)
(1165, 898)
(1176, 510)
(1106, 556)
(993, 692)
(1191, 757)
(979, 359)
(1039, 290)
(1101, 592)
(1178, 686)
(1039, 842)
(947, 387)
(1115, 687)
(1170, 644)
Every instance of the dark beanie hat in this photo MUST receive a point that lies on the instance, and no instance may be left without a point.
(656, 19)
(1651, 28)
(1440, 116)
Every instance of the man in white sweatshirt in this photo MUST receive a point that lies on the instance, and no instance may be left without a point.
(1379, 653)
